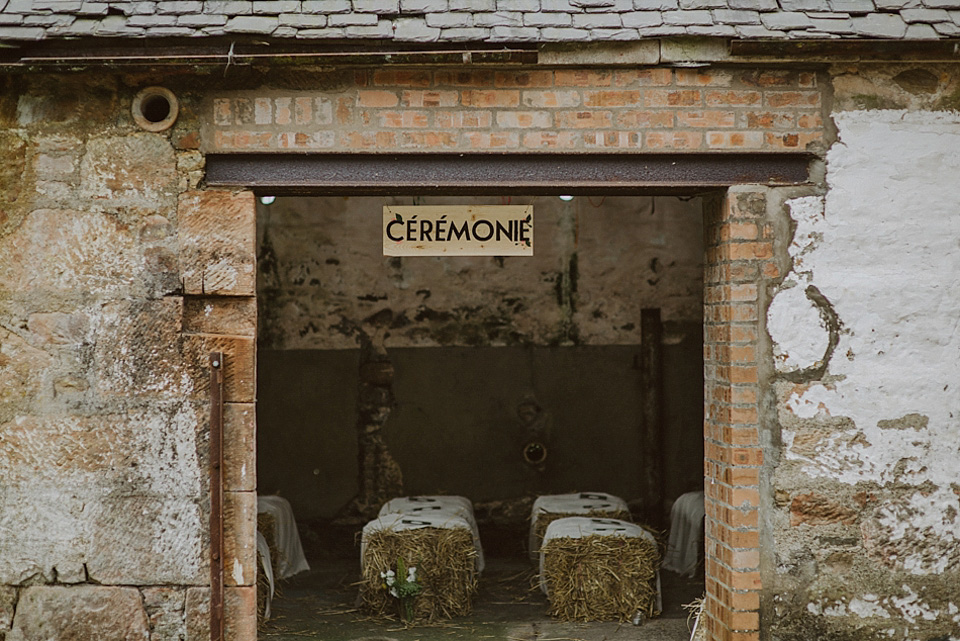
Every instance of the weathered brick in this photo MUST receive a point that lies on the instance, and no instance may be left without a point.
(550, 140)
(492, 98)
(672, 98)
(611, 98)
(431, 98)
(548, 99)
(524, 119)
(584, 119)
(673, 140)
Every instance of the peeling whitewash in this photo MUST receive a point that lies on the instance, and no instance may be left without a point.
(882, 415)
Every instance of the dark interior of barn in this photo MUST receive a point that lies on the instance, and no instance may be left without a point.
(499, 379)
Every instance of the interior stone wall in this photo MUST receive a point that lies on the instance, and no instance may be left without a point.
(473, 338)
(598, 262)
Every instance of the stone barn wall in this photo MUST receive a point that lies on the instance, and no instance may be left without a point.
(117, 277)
(862, 515)
(831, 409)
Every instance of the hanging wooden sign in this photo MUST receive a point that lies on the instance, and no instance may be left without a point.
(455, 230)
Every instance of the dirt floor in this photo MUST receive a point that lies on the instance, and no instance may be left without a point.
(321, 604)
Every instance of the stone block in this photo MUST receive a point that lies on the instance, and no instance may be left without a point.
(552, 19)
(138, 170)
(239, 374)
(71, 572)
(58, 328)
(147, 540)
(138, 348)
(217, 233)
(64, 250)
(8, 603)
(145, 451)
(239, 447)
(165, 612)
(240, 614)
(233, 316)
(79, 612)
(23, 373)
(240, 538)
(43, 527)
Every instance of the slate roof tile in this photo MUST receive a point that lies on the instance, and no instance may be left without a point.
(481, 20)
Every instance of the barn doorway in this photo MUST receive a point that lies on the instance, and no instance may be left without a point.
(485, 354)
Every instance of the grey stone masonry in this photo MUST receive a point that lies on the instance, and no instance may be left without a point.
(499, 21)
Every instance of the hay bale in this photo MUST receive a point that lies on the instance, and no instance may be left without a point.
(263, 594)
(544, 519)
(445, 559)
(600, 570)
(266, 587)
(549, 508)
(267, 526)
(698, 630)
(442, 507)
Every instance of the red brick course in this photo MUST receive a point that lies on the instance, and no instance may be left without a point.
(521, 110)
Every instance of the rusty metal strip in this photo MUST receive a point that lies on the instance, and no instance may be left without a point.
(832, 49)
(216, 497)
(547, 174)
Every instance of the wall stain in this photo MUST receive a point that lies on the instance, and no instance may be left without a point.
(833, 325)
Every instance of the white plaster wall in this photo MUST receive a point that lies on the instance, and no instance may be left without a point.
(883, 247)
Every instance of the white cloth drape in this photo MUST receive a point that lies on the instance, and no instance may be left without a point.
(292, 560)
(686, 534)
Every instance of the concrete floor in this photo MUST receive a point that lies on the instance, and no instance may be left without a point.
(320, 604)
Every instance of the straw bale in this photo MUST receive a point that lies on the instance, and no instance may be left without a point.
(267, 526)
(544, 519)
(698, 630)
(601, 578)
(445, 559)
(263, 593)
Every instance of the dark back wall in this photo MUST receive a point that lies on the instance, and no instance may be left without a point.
(456, 427)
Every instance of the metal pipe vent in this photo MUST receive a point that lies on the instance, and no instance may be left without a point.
(155, 109)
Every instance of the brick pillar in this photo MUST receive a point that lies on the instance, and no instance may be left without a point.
(739, 253)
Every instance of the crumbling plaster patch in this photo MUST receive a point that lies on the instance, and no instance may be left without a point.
(889, 262)
(878, 425)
